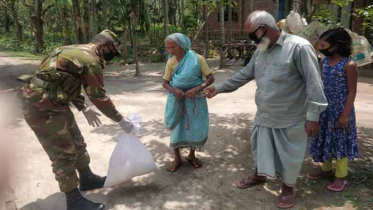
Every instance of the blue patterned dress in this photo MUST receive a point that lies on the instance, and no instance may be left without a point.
(332, 142)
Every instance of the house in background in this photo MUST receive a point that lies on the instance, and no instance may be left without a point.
(280, 9)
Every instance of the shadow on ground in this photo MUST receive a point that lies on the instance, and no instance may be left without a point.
(226, 159)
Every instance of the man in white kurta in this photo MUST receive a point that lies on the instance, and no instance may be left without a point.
(289, 99)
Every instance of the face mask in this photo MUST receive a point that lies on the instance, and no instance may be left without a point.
(107, 53)
(253, 36)
(326, 52)
(109, 56)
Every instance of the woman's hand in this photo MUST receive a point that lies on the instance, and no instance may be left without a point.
(342, 122)
(191, 93)
(178, 93)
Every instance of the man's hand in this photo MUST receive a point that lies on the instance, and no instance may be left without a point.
(126, 125)
(312, 128)
(178, 93)
(191, 93)
(209, 92)
(342, 122)
(92, 117)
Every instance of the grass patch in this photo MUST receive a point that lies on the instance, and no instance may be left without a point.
(27, 55)
(12, 47)
(350, 199)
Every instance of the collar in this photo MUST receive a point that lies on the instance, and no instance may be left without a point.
(281, 38)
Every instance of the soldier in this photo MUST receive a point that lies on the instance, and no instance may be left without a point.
(46, 99)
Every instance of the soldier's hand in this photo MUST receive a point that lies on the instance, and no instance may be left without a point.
(126, 125)
(92, 117)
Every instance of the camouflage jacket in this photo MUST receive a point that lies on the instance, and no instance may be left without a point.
(61, 75)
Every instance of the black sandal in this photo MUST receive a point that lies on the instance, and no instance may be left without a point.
(196, 163)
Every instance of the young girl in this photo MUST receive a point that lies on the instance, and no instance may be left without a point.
(186, 113)
(337, 137)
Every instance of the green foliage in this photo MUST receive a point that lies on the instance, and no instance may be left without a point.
(341, 3)
(121, 10)
(367, 14)
(156, 35)
(351, 199)
(10, 43)
(160, 28)
(324, 15)
(190, 22)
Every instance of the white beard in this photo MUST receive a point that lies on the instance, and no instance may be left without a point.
(263, 45)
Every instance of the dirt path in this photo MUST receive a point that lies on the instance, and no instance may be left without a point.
(226, 157)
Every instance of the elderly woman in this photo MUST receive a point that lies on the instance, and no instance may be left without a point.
(186, 113)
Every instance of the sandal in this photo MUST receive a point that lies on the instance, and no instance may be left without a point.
(249, 182)
(286, 202)
(318, 174)
(173, 167)
(196, 163)
(335, 189)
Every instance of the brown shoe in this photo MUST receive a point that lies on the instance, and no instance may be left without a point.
(250, 181)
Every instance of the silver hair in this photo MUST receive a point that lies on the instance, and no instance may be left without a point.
(262, 17)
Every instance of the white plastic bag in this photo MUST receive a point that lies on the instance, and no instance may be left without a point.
(130, 157)
(295, 22)
(361, 49)
(313, 31)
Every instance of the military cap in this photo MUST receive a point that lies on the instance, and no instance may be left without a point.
(114, 37)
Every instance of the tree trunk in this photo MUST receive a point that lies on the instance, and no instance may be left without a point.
(206, 29)
(94, 24)
(125, 47)
(134, 49)
(86, 21)
(104, 13)
(222, 57)
(77, 22)
(65, 25)
(6, 22)
(250, 6)
(229, 24)
(38, 23)
(182, 13)
(165, 17)
(170, 11)
(178, 7)
(17, 25)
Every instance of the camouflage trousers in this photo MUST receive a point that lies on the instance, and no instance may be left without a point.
(60, 137)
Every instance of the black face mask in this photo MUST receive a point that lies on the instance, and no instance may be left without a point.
(253, 36)
(109, 56)
(326, 52)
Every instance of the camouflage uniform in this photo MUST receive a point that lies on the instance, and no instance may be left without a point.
(46, 99)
